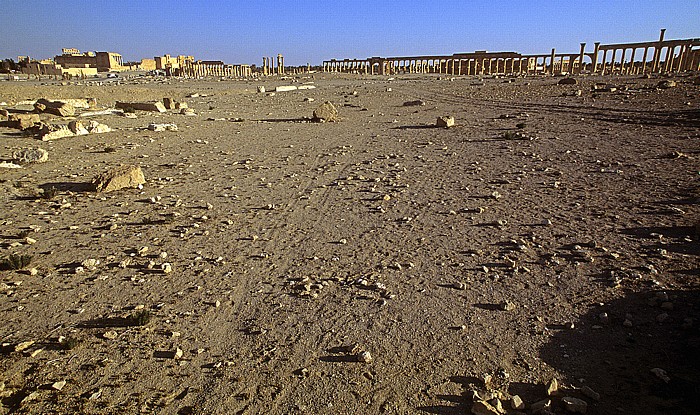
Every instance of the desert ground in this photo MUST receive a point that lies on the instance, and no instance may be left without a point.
(372, 265)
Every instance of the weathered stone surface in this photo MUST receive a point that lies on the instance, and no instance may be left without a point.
(84, 103)
(304, 87)
(62, 109)
(568, 81)
(78, 128)
(445, 122)
(484, 408)
(181, 105)
(54, 131)
(575, 405)
(95, 127)
(142, 106)
(119, 178)
(162, 127)
(285, 88)
(169, 103)
(325, 112)
(31, 155)
(416, 103)
(261, 89)
(22, 121)
(666, 83)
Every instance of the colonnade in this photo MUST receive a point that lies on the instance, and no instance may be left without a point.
(268, 65)
(658, 56)
(199, 70)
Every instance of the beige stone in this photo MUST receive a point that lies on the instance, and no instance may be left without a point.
(119, 178)
(169, 103)
(142, 106)
(54, 132)
(22, 121)
(31, 155)
(78, 128)
(62, 109)
(325, 112)
(95, 127)
(445, 122)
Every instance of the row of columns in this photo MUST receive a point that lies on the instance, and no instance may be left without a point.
(198, 70)
(268, 66)
(680, 55)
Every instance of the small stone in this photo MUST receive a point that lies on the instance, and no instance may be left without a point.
(516, 402)
(110, 335)
(661, 374)
(90, 263)
(365, 357)
(666, 83)
(553, 387)
(58, 385)
(568, 81)
(343, 241)
(575, 405)
(484, 408)
(590, 393)
(162, 127)
(23, 345)
(166, 268)
(507, 306)
(261, 89)
(662, 317)
(445, 122)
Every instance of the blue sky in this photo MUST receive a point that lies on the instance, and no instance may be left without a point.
(311, 31)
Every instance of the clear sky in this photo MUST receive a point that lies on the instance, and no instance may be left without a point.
(312, 31)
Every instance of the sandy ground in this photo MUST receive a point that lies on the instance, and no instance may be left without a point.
(462, 259)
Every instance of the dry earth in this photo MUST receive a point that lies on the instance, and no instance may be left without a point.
(452, 256)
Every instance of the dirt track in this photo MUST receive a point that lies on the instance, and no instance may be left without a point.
(447, 254)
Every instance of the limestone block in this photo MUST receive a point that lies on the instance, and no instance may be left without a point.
(261, 89)
(95, 127)
(162, 127)
(22, 121)
(62, 109)
(31, 155)
(181, 105)
(78, 128)
(119, 178)
(285, 88)
(445, 122)
(54, 132)
(142, 106)
(302, 87)
(325, 112)
(169, 103)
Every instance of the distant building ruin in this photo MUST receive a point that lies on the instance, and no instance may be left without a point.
(102, 61)
(678, 55)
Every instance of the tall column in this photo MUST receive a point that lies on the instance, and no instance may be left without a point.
(551, 62)
(657, 51)
(632, 67)
(594, 57)
(622, 62)
(580, 57)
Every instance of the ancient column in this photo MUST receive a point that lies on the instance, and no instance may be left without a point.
(657, 51)
(622, 62)
(280, 64)
(551, 62)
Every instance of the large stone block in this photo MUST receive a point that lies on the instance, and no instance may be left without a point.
(22, 121)
(54, 131)
(119, 178)
(325, 112)
(31, 155)
(62, 109)
(445, 122)
(142, 106)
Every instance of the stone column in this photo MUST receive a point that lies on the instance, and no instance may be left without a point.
(551, 62)
(622, 62)
(657, 51)
(633, 67)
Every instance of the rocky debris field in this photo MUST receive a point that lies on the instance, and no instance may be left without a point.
(352, 245)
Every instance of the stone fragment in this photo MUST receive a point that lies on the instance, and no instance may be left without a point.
(23, 345)
(22, 121)
(142, 106)
(54, 132)
(162, 127)
(261, 89)
(364, 357)
(590, 393)
(575, 405)
(31, 155)
(62, 109)
(325, 112)
(445, 122)
(516, 402)
(507, 306)
(58, 385)
(78, 128)
(661, 374)
(666, 84)
(416, 103)
(95, 127)
(110, 335)
(188, 111)
(568, 81)
(306, 87)
(181, 105)
(169, 103)
(553, 387)
(119, 178)
(484, 408)
(540, 406)
(8, 165)
(285, 88)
